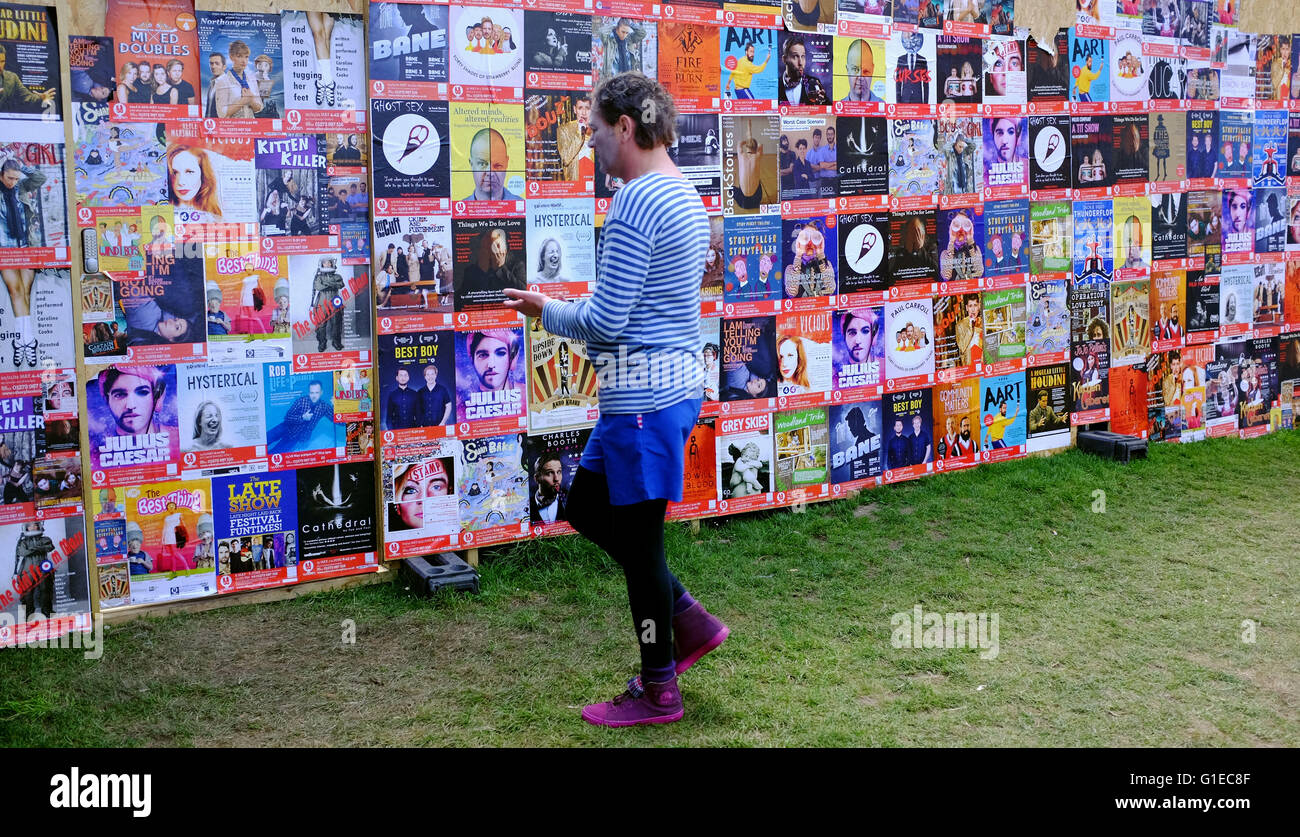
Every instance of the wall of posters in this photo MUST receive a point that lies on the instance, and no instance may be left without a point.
(935, 243)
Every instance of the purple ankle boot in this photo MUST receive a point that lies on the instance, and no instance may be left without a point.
(642, 703)
(696, 632)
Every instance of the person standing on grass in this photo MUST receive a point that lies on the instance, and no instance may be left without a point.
(642, 331)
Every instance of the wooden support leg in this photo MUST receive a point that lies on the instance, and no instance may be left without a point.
(471, 557)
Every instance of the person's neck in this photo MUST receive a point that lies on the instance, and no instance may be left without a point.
(653, 161)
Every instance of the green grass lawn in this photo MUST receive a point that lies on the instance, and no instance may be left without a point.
(1116, 628)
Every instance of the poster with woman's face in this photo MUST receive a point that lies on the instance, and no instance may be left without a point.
(221, 415)
(211, 180)
(420, 496)
(1004, 71)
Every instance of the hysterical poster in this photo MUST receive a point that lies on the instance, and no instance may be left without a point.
(222, 415)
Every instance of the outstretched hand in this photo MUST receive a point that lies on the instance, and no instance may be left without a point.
(529, 303)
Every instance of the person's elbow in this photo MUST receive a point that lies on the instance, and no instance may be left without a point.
(603, 326)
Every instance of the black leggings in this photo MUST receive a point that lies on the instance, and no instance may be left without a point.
(634, 537)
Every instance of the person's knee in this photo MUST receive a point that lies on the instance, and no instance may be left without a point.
(580, 517)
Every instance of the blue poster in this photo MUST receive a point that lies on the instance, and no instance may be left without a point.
(256, 517)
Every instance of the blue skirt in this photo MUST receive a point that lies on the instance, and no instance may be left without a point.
(642, 455)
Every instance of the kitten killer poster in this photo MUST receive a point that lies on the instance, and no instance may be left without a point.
(1090, 382)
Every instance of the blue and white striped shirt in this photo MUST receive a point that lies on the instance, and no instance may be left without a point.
(642, 323)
